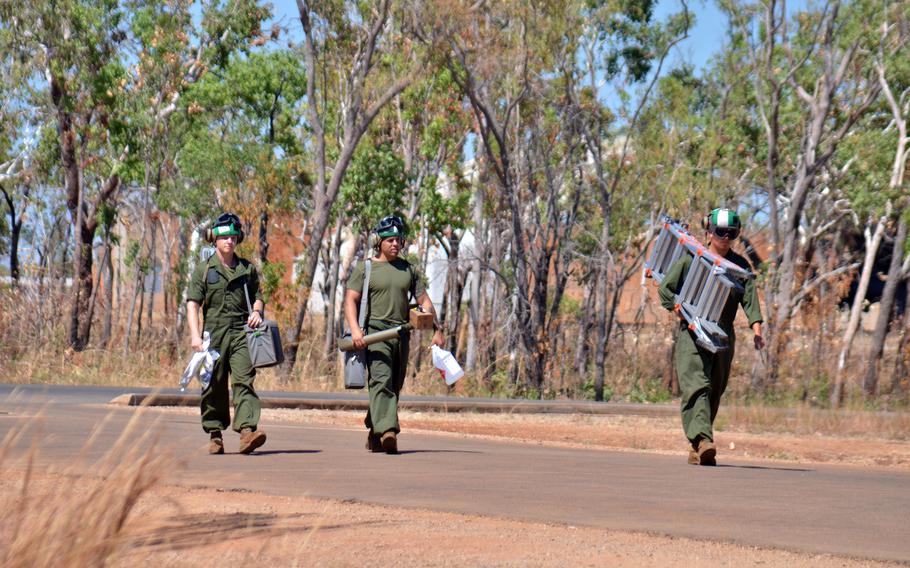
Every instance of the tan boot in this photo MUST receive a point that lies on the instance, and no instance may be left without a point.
(707, 452)
(390, 442)
(693, 458)
(250, 440)
(216, 444)
(374, 443)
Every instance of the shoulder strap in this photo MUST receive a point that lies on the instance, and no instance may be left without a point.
(365, 293)
(246, 296)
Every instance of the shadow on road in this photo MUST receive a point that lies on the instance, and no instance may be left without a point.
(271, 452)
(439, 452)
(793, 469)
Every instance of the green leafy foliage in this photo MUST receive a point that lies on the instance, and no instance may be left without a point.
(374, 186)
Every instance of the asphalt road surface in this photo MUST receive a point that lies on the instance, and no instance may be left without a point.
(820, 509)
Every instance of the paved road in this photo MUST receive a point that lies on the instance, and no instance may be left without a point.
(830, 509)
(335, 400)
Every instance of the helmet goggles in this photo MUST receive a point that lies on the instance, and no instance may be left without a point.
(726, 232)
(724, 223)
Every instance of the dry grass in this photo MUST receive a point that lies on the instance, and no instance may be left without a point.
(33, 339)
(816, 422)
(79, 522)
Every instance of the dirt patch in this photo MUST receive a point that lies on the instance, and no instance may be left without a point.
(174, 525)
(178, 526)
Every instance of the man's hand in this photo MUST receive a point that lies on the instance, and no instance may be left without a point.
(758, 339)
(357, 339)
(254, 320)
(438, 339)
(196, 342)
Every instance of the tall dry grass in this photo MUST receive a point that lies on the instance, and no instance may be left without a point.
(33, 350)
(807, 421)
(79, 522)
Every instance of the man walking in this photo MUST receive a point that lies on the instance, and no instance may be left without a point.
(392, 280)
(222, 286)
(703, 375)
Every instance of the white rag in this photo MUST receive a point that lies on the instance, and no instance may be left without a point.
(200, 365)
(448, 367)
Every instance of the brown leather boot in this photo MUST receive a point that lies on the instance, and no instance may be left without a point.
(390, 442)
(216, 444)
(374, 443)
(250, 440)
(693, 458)
(707, 452)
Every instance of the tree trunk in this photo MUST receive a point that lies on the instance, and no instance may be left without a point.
(600, 307)
(263, 237)
(600, 337)
(477, 267)
(454, 287)
(104, 261)
(15, 231)
(107, 316)
(873, 361)
(901, 380)
(332, 289)
(493, 312)
(582, 348)
(356, 119)
(15, 228)
(153, 274)
(873, 241)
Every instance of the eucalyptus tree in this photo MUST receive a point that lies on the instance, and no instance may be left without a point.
(492, 52)
(239, 149)
(832, 84)
(243, 136)
(98, 60)
(893, 72)
(373, 187)
(622, 46)
(430, 126)
(18, 142)
(173, 53)
(356, 63)
(77, 47)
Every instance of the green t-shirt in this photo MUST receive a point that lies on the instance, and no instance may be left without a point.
(676, 275)
(391, 284)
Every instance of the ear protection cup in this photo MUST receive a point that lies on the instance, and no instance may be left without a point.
(706, 222)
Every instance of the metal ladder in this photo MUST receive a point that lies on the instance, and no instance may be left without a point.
(707, 286)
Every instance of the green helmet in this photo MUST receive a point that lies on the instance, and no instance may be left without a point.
(225, 225)
(391, 226)
(724, 219)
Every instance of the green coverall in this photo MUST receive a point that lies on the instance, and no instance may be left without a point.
(220, 291)
(703, 375)
(387, 307)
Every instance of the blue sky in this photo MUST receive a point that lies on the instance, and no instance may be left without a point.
(704, 39)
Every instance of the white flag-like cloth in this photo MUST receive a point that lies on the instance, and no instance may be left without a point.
(449, 368)
(200, 365)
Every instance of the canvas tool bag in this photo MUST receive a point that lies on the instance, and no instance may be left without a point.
(355, 362)
(264, 341)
